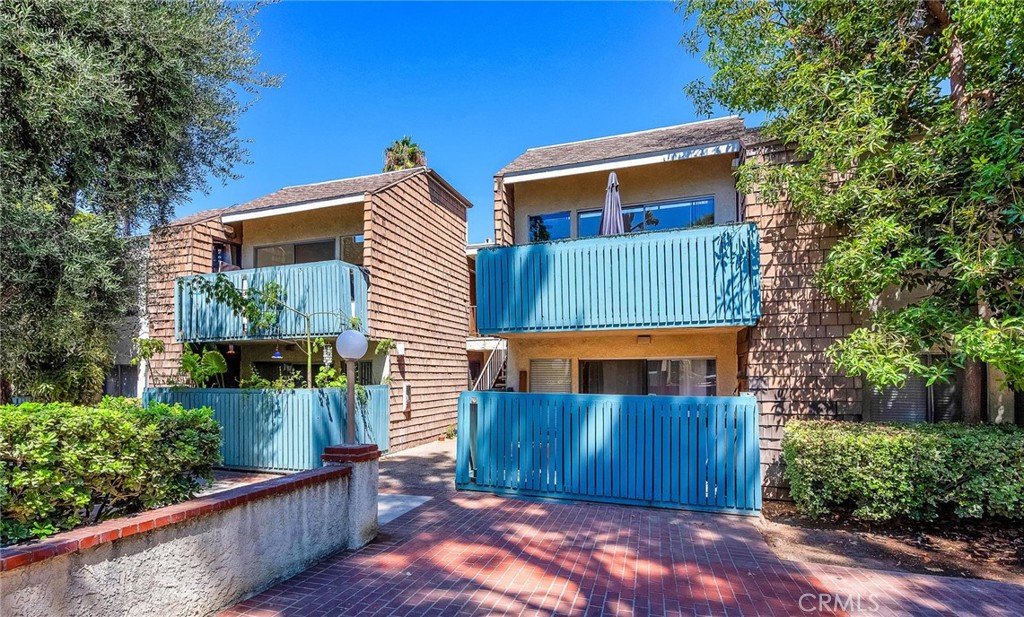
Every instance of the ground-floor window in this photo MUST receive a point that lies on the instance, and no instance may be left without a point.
(122, 380)
(666, 377)
(916, 401)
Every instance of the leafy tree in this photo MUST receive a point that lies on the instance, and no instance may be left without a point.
(115, 108)
(60, 299)
(907, 121)
(404, 153)
(122, 107)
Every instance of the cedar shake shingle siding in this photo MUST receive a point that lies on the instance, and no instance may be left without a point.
(176, 250)
(414, 230)
(419, 293)
(782, 359)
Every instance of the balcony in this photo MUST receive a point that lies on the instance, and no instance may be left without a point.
(668, 279)
(331, 292)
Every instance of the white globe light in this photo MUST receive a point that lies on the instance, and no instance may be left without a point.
(351, 344)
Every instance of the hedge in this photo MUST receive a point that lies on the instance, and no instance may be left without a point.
(65, 465)
(881, 472)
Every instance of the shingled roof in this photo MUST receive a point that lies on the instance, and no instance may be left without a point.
(666, 139)
(320, 191)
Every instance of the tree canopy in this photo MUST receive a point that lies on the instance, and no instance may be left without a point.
(404, 153)
(122, 107)
(908, 122)
(111, 112)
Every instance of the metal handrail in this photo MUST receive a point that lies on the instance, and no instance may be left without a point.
(492, 368)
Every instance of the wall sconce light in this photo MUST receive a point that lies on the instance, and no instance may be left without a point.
(643, 339)
(400, 348)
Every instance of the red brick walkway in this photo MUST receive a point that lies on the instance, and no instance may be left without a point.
(477, 554)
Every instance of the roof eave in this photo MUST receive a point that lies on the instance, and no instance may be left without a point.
(634, 160)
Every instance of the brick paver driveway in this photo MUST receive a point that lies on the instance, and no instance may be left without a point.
(477, 554)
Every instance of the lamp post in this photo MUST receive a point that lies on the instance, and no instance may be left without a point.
(351, 346)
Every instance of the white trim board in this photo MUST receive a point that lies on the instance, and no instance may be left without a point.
(680, 154)
(290, 209)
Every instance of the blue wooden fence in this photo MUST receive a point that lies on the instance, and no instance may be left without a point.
(282, 430)
(335, 289)
(697, 453)
(689, 277)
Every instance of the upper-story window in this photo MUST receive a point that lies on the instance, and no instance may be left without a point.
(675, 214)
(294, 253)
(554, 226)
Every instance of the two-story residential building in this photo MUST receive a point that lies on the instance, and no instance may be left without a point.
(708, 291)
(386, 249)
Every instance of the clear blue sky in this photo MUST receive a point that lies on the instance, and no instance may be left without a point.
(474, 84)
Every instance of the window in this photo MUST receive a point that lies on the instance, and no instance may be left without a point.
(550, 376)
(676, 214)
(918, 402)
(670, 377)
(122, 380)
(298, 253)
(226, 257)
(545, 227)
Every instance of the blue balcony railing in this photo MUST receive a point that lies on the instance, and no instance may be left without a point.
(332, 291)
(681, 278)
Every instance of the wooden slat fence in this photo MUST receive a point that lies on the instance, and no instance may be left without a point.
(286, 430)
(696, 453)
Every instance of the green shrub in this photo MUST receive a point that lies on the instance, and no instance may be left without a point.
(881, 472)
(64, 465)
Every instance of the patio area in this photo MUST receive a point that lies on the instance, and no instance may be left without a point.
(480, 554)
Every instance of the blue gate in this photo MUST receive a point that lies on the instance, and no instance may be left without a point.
(698, 453)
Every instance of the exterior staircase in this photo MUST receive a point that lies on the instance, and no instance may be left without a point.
(493, 374)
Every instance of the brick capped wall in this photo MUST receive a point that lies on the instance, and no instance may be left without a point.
(415, 238)
(782, 359)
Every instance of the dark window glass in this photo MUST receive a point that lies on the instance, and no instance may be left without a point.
(667, 215)
(288, 254)
(672, 377)
(545, 227)
(311, 252)
(122, 380)
(280, 255)
(588, 223)
(612, 377)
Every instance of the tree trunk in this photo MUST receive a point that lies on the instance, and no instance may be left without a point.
(972, 393)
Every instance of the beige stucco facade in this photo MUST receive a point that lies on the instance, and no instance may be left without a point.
(698, 177)
(717, 343)
(331, 223)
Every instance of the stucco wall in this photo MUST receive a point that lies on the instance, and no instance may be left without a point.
(677, 179)
(717, 343)
(320, 224)
(202, 564)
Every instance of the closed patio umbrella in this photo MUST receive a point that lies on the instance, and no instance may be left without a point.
(611, 214)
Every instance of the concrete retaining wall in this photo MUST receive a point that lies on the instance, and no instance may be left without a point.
(197, 557)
